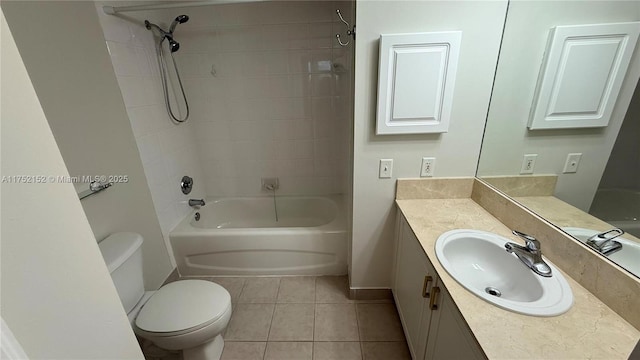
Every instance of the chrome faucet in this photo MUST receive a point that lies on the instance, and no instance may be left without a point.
(604, 243)
(196, 202)
(530, 254)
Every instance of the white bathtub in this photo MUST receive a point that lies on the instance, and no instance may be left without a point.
(618, 207)
(240, 236)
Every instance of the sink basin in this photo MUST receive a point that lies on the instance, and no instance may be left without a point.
(627, 257)
(479, 262)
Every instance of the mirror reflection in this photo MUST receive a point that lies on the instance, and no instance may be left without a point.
(583, 177)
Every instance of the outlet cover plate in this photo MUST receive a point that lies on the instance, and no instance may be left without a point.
(528, 163)
(427, 167)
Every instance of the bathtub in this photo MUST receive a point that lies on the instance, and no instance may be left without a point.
(240, 236)
(618, 207)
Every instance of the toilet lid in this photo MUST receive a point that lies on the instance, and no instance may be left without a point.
(182, 305)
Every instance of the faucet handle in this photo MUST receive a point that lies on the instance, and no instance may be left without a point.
(532, 243)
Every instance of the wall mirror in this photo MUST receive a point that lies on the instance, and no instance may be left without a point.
(584, 180)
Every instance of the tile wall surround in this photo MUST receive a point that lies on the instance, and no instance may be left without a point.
(270, 94)
(167, 150)
(270, 91)
(616, 288)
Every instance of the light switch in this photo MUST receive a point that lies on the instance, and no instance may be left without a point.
(571, 165)
(386, 167)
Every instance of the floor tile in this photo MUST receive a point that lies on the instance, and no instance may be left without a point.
(336, 351)
(292, 322)
(336, 322)
(250, 322)
(243, 350)
(289, 351)
(396, 350)
(297, 290)
(233, 285)
(332, 289)
(260, 290)
(379, 322)
(152, 352)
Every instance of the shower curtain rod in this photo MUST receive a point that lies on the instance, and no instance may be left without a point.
(112, 10)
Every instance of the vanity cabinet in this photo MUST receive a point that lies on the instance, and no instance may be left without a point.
(433, 326)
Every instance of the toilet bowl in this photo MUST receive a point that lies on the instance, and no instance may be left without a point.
(187, 315)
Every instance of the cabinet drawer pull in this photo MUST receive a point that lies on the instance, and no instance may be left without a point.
(432, 303)
(425, 286)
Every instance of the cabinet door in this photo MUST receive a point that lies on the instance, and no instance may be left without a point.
(412, 269)
(449, 335)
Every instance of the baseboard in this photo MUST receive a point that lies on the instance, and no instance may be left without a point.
(370, 294)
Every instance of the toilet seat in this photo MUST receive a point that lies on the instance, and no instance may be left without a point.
(183, 307)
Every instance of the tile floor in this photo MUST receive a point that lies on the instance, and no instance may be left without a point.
(304, 318)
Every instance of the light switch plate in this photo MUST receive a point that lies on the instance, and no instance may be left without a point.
(386, 168)
(571, 165)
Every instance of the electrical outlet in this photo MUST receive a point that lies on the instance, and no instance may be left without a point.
(528, 163)
(571, 165)
(427, 168)
(386, 167)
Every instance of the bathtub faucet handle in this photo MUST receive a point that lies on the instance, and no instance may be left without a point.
(196, 202)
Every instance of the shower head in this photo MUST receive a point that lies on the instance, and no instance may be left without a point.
(180, 19)
(168, 35)
(173, 45)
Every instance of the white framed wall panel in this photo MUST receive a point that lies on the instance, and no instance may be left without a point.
(581, 75)
(416, 80)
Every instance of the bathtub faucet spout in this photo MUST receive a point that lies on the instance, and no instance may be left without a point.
(196, 202)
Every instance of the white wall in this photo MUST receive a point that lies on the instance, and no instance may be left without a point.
(623, 167)
(73, 77)
(456, 151)
(57, 295)
(507, 138)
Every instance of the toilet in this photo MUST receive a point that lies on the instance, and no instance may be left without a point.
(187, 315)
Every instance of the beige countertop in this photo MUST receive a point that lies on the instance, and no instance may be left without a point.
(588, 330)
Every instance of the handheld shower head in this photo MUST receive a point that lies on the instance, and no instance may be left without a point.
(173, 45)
(180, 19)
(168, 35)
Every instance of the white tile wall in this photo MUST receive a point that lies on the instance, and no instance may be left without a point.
(270, 95)
(272, 84)
(168, 151)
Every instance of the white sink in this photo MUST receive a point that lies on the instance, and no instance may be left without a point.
(479, 262)
(627, 257)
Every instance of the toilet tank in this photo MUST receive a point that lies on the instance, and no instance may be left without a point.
(123, 256)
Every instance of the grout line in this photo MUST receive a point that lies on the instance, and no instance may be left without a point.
(313, 329)
(266, 342)
(355, 308)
